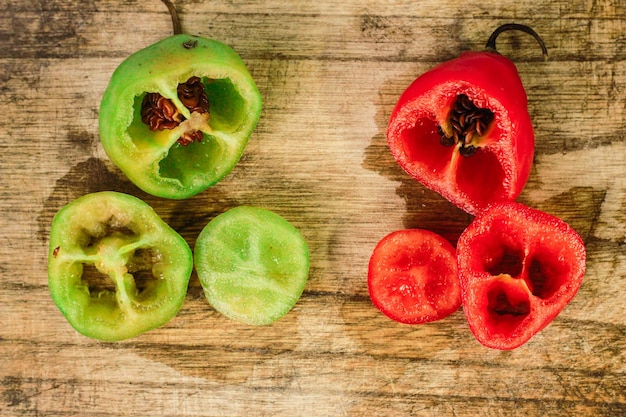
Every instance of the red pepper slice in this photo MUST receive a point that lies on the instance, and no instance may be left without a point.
(463, 130)
(518, 267)
(412, 277)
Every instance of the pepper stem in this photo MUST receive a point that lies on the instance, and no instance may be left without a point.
(491, 43)
(175, 20)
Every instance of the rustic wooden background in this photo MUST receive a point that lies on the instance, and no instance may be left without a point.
(330, 73)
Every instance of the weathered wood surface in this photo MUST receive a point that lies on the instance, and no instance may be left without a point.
(330, 73)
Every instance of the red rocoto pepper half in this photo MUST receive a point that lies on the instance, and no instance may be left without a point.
(518, 268)
(463, 129)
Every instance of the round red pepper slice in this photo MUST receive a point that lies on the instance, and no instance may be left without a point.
(412, 277)
(463, 129)
(518, 267)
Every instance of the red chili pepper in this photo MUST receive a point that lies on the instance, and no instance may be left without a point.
(463, 130)
(518, 268)
(413, 278)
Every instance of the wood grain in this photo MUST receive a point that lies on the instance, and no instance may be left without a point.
(329, 74)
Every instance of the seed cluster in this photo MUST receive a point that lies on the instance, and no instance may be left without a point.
(193, 95)
(466, 120)
(160, 113)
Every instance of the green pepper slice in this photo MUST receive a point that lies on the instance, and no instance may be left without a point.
(115, 268)
(177, 115)
(252, 263)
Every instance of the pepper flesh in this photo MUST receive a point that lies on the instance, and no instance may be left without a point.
(498, 168)
(155, 158)
(115, 269)
(252, 264)
(518, 267)
(412, 277)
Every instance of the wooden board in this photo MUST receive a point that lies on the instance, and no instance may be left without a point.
(329, 73)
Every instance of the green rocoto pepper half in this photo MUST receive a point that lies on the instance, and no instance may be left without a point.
(115, 268)
(177, 115)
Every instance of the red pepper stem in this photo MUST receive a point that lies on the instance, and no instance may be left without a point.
(175, 20)
(491, 43)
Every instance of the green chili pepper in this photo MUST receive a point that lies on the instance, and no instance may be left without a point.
(115, 268)
(177, 115)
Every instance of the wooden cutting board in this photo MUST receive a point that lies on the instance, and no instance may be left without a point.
(329, 74)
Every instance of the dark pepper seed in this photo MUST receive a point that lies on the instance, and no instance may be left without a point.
(468, 151)
(446, 141)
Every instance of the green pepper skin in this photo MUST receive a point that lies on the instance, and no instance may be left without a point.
(153, 160)
(109, 240)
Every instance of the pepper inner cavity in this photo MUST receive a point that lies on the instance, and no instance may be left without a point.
(160, 113)
(466, 121)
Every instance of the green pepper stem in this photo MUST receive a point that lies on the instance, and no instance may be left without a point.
(175, 20)
(491, 43)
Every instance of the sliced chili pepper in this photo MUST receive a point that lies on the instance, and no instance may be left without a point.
(115, 269)
(463, 129)
(518, 267)
(177, 115)
(252, 264)
(412, 277)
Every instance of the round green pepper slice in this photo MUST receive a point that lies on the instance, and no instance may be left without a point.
(115, 268)
(177, 115)
(252, 264)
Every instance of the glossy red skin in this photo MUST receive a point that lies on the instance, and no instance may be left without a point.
(490, 81)
(413, 277)
(549, 270)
